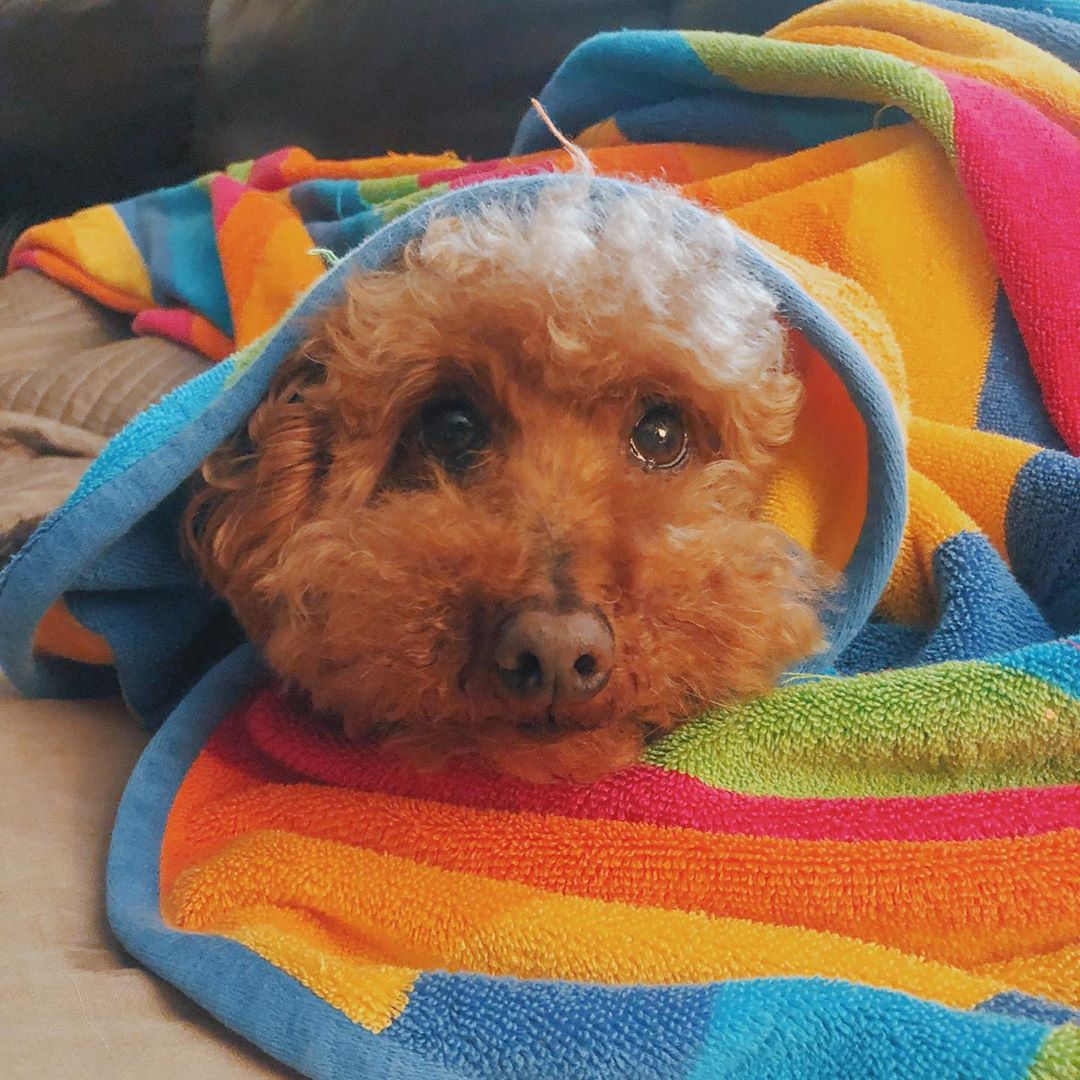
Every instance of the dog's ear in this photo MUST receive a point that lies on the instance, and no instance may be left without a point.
(261, 484)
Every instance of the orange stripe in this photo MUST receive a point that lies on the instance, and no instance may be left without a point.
(301, 165)
(59, 634)
(266, 261)
(209, 340)
(67, 273)
(821, 507)
(781, 174)
(961, 903)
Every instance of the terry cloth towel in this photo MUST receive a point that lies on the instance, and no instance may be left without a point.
(872, 872)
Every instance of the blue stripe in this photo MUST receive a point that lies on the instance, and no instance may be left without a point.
(740, 118)
(494, 1028)
(1013, 1003)
(611, 73)
(1042, 536)
(1056, 663)
(982, 610)
(327, 200)
(174, 231)
(849, 1032)
(1010, 402)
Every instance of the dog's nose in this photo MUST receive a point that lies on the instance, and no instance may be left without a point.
(553, 656)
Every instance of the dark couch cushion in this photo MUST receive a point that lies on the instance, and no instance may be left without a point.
(96, 99)
(369, 76)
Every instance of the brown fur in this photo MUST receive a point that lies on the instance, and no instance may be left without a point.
(373, 579)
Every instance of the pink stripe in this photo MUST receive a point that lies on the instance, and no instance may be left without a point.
(533, 168)
(22, 260)
(644, 793)
(1022, 174)
(171, 323)
(478, 169)
(225, 193)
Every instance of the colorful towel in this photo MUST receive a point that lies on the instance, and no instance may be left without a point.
(873, 872)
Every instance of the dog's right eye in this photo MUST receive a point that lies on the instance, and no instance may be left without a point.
(452, 431)
(660, 439)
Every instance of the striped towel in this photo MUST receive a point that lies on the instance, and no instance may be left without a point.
(873, 871)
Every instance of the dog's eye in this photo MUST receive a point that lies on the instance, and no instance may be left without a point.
(452, 432)
(659, 439)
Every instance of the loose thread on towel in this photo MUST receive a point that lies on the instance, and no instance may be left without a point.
(793, 678)
(877, 121)
(577, 155)
(326, 255)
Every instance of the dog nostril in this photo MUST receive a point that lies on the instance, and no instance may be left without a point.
(585, 665)
(526, 676)
(529, 669)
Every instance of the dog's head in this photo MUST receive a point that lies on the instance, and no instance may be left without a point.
(506, 497)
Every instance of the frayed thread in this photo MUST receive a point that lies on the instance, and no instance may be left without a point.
(581, 161)
(327, 256)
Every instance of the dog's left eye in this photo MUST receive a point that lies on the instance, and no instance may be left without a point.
(452, 431)
(659, 439)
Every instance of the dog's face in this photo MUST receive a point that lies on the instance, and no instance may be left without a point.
(506, 497)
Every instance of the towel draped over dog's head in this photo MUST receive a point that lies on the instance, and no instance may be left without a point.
(112, 556)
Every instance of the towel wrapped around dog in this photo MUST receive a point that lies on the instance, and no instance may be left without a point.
(873, 871)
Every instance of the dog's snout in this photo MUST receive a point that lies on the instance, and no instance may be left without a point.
(554, 657)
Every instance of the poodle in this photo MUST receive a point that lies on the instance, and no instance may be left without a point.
(505, 499)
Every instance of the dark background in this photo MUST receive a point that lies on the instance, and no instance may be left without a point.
(101, 99)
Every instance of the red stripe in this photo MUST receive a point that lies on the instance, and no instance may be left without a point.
(266, 172)
(264, 733)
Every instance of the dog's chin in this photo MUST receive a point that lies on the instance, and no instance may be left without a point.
(548, 729)
(541, 749)
(579, 756)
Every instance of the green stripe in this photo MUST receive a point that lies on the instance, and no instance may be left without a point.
(240, 170)
(386, 189)
(390, 210)
(952, 727)
(243, 358)
(1059, 1058)
(203, 182)
(766, 65)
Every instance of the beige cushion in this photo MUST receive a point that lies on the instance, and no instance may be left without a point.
(73, 1006)
(71, 375)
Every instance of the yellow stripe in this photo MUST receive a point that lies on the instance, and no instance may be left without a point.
(976, 469)
(103, 248)
(907, 210)
(330, 963)
(408, 916)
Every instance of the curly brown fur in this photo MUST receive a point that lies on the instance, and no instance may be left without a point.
(375, 578)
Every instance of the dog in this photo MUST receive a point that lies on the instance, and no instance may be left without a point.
(505, 501)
